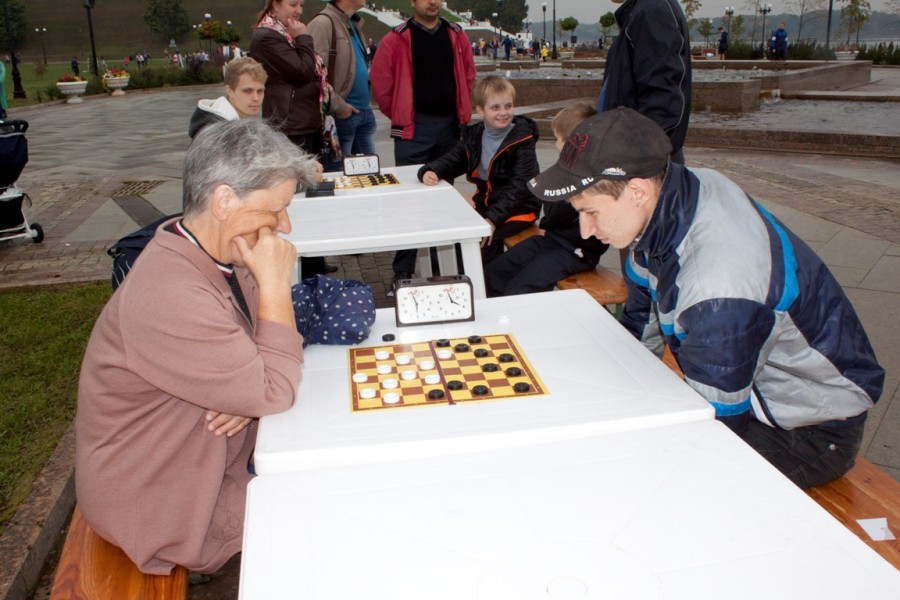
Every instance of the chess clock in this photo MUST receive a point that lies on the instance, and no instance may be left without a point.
(361, 164)
(434, 300)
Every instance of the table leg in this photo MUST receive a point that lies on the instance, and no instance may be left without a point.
(423, 260)
(447, 260)
(296, 273)
(471, 256)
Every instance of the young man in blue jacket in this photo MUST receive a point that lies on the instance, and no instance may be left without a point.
(756, 321)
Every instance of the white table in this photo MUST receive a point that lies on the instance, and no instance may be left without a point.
(395, 217)
(599, 377)
(684, 511)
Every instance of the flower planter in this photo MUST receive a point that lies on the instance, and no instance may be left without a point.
(116, 85)
(72, 90)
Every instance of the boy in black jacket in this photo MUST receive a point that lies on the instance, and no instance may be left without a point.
(498, 155)
(536, 264)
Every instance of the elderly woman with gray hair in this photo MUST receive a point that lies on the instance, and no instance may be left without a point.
(198, 342)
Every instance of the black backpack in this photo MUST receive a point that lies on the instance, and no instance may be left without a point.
(126, 250)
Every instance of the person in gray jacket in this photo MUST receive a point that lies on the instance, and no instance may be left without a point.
(756, 321)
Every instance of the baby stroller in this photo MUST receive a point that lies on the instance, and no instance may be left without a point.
(13, 157)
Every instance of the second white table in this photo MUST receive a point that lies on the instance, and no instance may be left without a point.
(381, 219)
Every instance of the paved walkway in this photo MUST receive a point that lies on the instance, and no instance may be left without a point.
(100, 169)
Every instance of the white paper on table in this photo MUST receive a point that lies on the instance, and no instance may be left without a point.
(877, 529)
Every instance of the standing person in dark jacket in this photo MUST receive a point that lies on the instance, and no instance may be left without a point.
(297, 94)
(536, 264)
(497, 155)
(723, 43)
(780, 43)
(649, 67)
(422, 79)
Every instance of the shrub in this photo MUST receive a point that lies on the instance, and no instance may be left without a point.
(880, 55)
(809, 50)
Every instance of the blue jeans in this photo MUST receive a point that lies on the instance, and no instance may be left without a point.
(356, 133)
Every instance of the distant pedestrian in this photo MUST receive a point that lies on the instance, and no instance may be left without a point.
(780, 43)
(723, 42)
(3, 103)
(74, 65)
(507, 46)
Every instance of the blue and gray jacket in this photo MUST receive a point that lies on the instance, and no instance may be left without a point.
(758, 324)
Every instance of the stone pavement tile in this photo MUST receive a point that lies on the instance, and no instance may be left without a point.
(885, 275)
(109, 222)
(894, 250)
(885, 440)
(814, 231)
(166, 197)
(850, 248)
(880, 315)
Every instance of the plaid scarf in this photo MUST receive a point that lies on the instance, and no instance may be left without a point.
(270, 22)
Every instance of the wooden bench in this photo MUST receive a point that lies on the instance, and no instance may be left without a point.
(865, 492)
(604, 285)
(90, 568)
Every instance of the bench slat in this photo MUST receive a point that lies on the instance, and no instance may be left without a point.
(866, 492)
(90, 568)
(604, 286)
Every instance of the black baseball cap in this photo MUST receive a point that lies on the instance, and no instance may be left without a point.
(615, 144)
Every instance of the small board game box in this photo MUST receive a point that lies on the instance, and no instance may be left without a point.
(323, 188)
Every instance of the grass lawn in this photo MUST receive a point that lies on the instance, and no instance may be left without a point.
(36, 83)
(44, 332)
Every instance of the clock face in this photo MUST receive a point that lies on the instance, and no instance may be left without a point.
(434, 300)
(361, 164)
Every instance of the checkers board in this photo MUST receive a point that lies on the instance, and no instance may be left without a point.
(347, 182)
(398, 375)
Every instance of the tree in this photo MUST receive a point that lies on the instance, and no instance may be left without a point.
(737, 27)
(568, 24)
(691, 7)
(804, 8)
(16, 23)
(608, 20)
(510, 13)
(167, 18)
(705, 28)
(854, 16)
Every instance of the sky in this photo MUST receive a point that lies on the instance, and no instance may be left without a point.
(589, 11)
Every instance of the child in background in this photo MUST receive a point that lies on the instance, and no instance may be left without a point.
(498, 155)
(536, 264)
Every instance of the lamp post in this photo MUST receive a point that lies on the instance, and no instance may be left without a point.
(208, 17)
(88, 5)
(18, 90)
(729, 12)
(828, 27)
(764, 10)
(544, 9)
(553, 54)
(41, 31)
